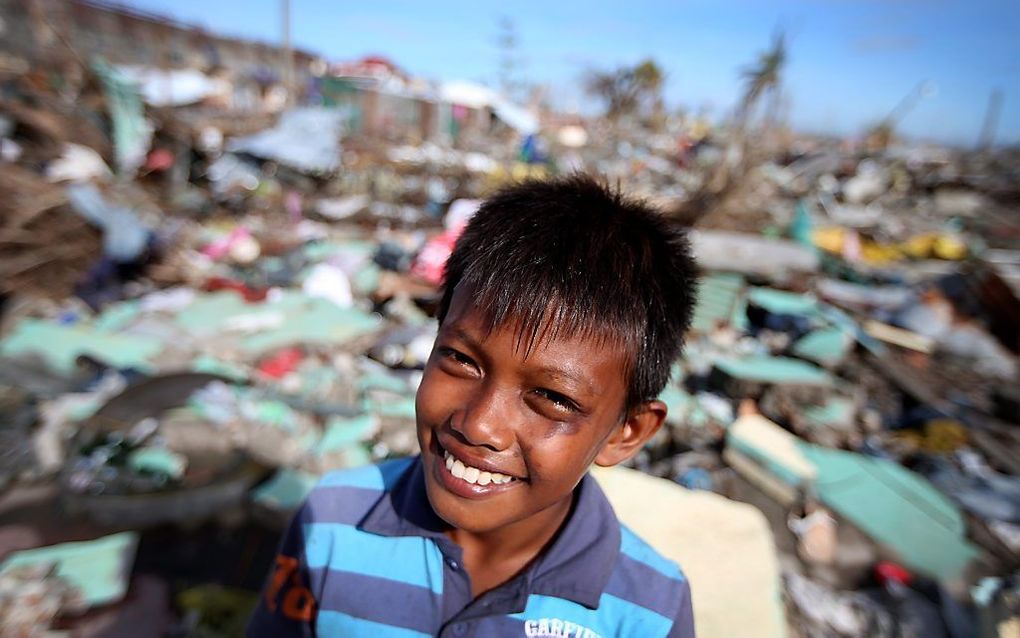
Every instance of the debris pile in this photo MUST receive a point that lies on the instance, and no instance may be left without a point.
(205, 309)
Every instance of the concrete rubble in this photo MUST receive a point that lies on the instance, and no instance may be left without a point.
(207, 307)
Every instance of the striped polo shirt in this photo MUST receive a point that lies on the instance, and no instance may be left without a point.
(366, 556)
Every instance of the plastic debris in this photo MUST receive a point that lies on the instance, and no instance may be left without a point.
(124, 236)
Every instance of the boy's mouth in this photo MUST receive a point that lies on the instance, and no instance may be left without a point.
(470, 481)
(473, 475)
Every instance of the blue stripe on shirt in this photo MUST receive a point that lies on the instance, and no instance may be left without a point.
(640, 551)
(413, 560)
(628, 619)
(371, 477)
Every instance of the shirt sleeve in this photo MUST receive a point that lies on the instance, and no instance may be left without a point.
(683, 622)
(286, 606)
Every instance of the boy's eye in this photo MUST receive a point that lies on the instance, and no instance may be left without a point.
(455, 357)
(559, 401)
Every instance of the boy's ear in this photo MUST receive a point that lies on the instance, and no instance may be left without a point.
(640, 425)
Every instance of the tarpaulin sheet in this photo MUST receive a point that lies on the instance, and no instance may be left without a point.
(306, 139)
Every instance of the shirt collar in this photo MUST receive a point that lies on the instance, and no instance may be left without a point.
(576, 566)
(405, 509)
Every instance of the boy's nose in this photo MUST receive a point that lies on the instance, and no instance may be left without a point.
(484, 421)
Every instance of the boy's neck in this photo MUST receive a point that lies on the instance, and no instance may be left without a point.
(494, 557)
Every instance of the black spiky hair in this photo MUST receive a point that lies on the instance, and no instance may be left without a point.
(574, 256)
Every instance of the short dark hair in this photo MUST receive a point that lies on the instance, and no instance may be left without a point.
(574, 255)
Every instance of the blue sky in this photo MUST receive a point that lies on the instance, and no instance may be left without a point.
(850, 61)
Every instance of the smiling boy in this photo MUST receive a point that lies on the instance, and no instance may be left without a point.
(564, 305)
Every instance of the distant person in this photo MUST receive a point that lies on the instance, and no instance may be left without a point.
(564, 305)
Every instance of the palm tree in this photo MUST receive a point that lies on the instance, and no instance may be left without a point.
(761, 78)
(649, 78)
(764, 77)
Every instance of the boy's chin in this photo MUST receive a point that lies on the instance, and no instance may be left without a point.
(468, 511)
(458, 515)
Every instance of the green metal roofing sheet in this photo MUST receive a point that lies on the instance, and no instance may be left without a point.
(60, 345)
(99, 568)
(678, 403)
(836, 411)
(398, 407)
(766, 369)
(898, 508)
(783, 302)
(292, 318)
(345, 432)
(158, 460)
(286, 490)
(719, 301)
(827, 346)
(772, 447)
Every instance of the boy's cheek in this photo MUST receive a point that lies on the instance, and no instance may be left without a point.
(424, 387)
(429, 401)
(435, 390)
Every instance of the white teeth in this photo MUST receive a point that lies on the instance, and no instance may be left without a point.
(473, 475)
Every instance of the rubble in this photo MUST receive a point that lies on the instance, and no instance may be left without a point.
(216, 289)
(748, 254)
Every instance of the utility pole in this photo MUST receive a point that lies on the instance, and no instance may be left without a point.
(991, 124)
(288, 52)
(506, 41)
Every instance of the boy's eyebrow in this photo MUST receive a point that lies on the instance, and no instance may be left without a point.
(565, 373)
(463, 335)
(580, 380)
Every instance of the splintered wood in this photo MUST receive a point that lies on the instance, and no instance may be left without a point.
(45, 247)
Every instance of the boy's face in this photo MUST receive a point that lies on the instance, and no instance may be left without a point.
(506, 437)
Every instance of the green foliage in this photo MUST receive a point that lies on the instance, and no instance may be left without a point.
(762, 77)
(628, 90)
